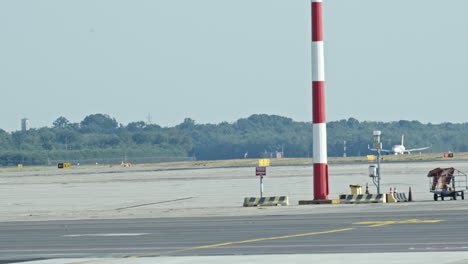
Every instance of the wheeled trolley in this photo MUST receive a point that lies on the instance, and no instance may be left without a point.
(447, 182)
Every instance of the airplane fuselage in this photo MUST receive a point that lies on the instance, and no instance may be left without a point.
(398, 149)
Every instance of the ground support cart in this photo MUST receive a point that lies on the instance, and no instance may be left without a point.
(447, 182)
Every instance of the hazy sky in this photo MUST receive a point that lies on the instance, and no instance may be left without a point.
(219, 60)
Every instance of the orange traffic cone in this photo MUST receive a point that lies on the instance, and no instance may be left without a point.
(410, 196)
(367, 188)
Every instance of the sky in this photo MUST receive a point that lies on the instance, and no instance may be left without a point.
(219, 60)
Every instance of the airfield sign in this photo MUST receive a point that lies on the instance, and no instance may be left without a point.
(263, 162)
(260, 171)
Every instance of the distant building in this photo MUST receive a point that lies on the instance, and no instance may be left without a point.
(25, 124)
(279, 154)
(272, 155)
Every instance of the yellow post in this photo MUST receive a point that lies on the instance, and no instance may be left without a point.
(355, 189)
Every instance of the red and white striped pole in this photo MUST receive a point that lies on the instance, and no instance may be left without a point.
(321, 188)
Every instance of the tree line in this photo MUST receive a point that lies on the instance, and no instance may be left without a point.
(99, 136)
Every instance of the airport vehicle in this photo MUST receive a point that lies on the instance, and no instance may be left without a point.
(447, 182)
(400, 149)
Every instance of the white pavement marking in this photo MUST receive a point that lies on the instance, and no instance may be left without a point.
(107, 235)
(438, 248)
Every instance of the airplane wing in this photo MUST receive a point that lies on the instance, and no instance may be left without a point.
(416, 149)
(382, 150)
(385, 150)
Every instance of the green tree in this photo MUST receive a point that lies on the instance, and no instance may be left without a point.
(188, 124)
(61, 122)
(98, 123)
(136, 126)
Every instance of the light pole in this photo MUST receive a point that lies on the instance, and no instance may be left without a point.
(378, 146)
(261, 186)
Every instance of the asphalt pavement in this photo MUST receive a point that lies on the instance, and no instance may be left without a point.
(120, 241)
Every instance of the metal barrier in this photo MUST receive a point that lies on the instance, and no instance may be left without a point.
(266, 201)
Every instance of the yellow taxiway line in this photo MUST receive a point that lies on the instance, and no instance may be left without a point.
(218, 245)
(368, 223)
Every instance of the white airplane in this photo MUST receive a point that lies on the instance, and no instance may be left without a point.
(401, 149)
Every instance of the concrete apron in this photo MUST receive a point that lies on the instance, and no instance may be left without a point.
(357, 258)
